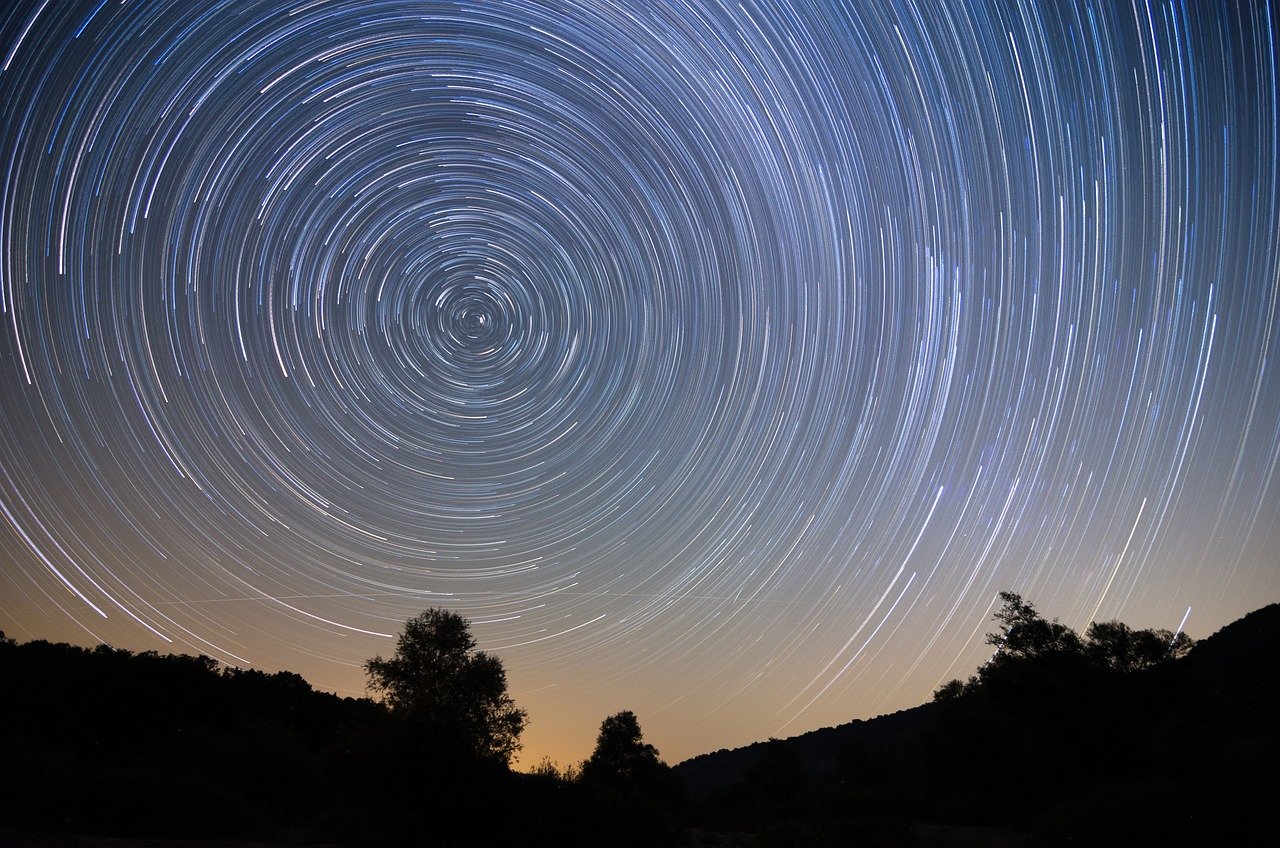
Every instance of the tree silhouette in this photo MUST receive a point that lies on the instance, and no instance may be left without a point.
(1027, 646)
(1113, 644)
(950, 690)
(621, 754)
(443, 687)
(635, 798)
(1024, 634)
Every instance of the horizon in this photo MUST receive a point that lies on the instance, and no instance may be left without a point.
(526, 765)
(719, 362)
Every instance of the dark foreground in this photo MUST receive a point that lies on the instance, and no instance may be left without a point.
(923, 836)
(108, 749)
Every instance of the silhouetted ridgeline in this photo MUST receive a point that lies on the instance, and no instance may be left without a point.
(1049, 749)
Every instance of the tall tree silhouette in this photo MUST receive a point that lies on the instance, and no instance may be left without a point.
(441, 685)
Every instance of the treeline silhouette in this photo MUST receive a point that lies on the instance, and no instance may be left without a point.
(1113, 737)
(108, 741)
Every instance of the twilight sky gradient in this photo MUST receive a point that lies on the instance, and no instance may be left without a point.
(721, 361)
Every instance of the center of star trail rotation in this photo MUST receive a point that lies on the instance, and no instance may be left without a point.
(721, 361)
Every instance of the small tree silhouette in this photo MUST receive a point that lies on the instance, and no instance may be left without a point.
(621, 754)
(950, 691)
(635, 798)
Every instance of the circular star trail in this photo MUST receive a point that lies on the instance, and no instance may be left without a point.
(719, 360)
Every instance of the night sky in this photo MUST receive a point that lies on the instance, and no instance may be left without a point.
(720, 361)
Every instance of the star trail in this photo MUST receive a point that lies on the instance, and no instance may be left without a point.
(721, 361)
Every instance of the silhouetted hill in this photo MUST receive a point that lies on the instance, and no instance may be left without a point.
(1057, 749)
(819, 753)
(1249, 645)
(1245, 652)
